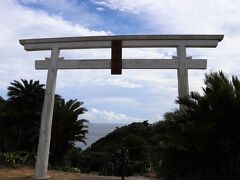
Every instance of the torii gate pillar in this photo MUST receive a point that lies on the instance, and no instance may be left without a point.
(182, 63)
(182, 72)
(46, 119)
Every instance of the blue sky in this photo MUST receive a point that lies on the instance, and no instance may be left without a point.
(90, 14)
(137, 94)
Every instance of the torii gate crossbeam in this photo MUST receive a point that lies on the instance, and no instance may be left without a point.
(181, 62)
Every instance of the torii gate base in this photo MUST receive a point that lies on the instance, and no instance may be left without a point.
(182, 63)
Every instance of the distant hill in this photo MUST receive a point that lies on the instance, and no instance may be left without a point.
(139, 131)
(135, 143)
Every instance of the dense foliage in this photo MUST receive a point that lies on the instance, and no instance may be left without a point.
(134, 138)
(20, 122)
(199, 142)
(202, 141)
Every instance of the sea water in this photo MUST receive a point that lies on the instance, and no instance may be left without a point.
(97, 131)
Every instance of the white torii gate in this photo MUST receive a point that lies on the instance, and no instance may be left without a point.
(180, 62)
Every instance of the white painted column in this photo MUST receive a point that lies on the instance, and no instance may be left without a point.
(183, 89)
(46, 119)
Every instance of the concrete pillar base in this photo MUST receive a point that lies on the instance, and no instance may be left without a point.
(45, 177)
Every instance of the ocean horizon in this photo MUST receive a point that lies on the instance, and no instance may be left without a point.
(97, 131)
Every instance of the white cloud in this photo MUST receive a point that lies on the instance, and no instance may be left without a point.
(36, 24)
(100, 9)
(123, 101)
(20, 64)
(185, 16)
(118, 81)
(121, 5)
(73, 10)
(102, 116)
(52, 4)
(130, 78)
(28, 23)
(192, 17)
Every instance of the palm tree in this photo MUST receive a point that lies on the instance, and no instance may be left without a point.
(1, 101)
(202, 141)
(67, 128)
(26, 92)
(22, 119)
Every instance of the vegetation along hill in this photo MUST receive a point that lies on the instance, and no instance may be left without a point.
(200, 141)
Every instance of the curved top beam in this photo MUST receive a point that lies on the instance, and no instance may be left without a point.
(128, 41)
(122, 37)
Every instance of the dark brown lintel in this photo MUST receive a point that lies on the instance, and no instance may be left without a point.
(116, 59)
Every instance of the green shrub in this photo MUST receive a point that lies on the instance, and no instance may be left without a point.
(15, 159)
(72, 169)
(93, 161)
(137, 147)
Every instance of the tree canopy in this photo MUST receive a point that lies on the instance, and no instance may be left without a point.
(20, 118)
(198, 142)
(202, 140)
